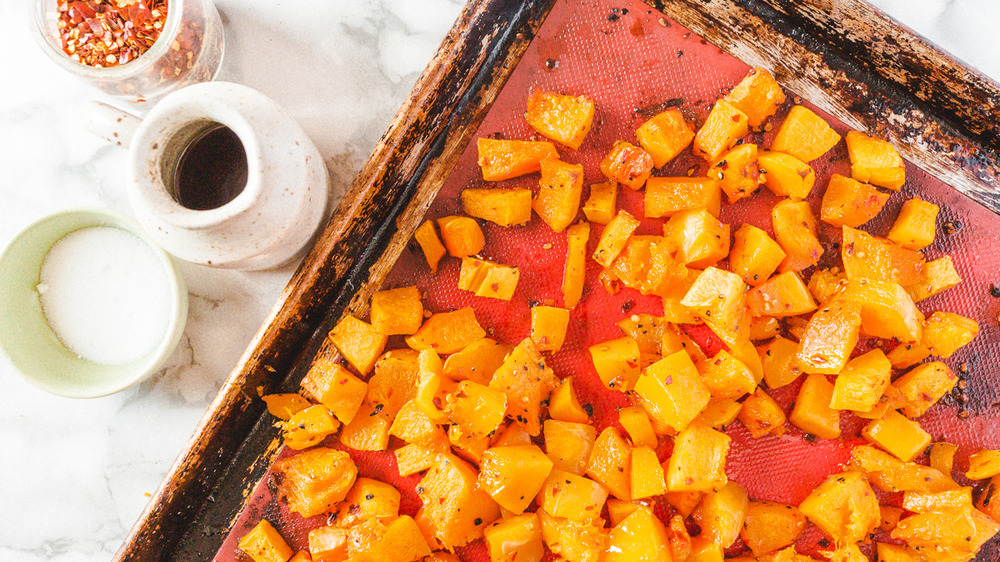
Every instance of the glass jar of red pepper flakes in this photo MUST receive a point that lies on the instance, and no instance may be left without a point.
(133, 49)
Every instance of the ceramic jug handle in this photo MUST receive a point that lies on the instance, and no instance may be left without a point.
(109, 123)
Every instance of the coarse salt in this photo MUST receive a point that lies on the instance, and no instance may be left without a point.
(105, 294)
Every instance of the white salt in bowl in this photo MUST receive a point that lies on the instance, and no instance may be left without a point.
(31, 344)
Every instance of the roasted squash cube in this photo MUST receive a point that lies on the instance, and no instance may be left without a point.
(575, 272)
(515, 539)
(921, 387)
(414, 425)
(830, 337)
(617, 362)
(558, 199)
(571, 496)
(315, 481)
(887, 311)
(359, 343)
(455, 508)
(308, 427)
(984, 464)
(758, 95)
(476, 362)
(664, 136)
(527, 381)
(600, 206)
(397, 311)
(433, 388)
(915, 226)
(769, 526)
(869, 257)
(762, 415)
(949, 527)
(804, 135)
(812, 412)
(328, 543)
(723, 127)
(461, 236)
(411, 459)
(476, 408)
(344, 393)
(737, 171)
(898, 435)
(402, 539)
(638, 427)
(284, 406)
(564, 119)
(569, 444)
(430, 244)
(938, 275)
(795, 230)
(875, 161)
(717, 297)
(754, 255)
(646, 330)
(502, 159)
(726, 376)
(780, 362)
(640, 536)
(548, 327)
(447, 332)
(786, 175)
(848, 202)
(627, 164)
(574, 541)
(512, 435)
(505, 207)
(719, 413)
(764, 328)
(264, 544)
(824, 284)
(672, 392)
(667, 196)
(702, 240)
(369, 430)
(862, 382)
(844, 506)
(368, 499)
(564, 405)
(610, 463)
(942, 456)
(614, 238)
(722, 513)
(647, 478)
(947, 332)
(782, 295)
(514, 475)
(698, 461)
(395, 380)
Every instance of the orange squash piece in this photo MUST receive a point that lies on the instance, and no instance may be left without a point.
(564, 119)
(627, 164)
(502, 159)
(758, 95)
(264, 544)
(672, 392)
(397, 311)
(515, 539)
(812, 412)
(887, 311)
(698, 461)
(875, 161)
(726, 376)
(505, 207)
(915, 226)
(570, 496)
(702, 240)
(761, 415)
(488, 279)
(754, 255)
(921, 387)
(575, 272)
(795, 230)
(724, 126)
(844, 507)
(830, 337)
(938, 276)
(667, 196)
(848, 202)
(527, 381)
(717, 297)
(780, 363)
(461, 236)
(769, 526)
(430, 244)
(558, 199)
(447, 332)
(664, 136)
(782, 295)
(737, 172)
(862, 382)
(869, 257)
(616, 362)
(897, 434)
(614, 238)
(455, 509)
(600, 206)
(786, 175)
(359, 342)
(610, 463)
(514, 475)
(548, 327)
(315, 481)
(804, 135)
(721, 514)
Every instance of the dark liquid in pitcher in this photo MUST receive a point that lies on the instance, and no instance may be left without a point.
(212, 170)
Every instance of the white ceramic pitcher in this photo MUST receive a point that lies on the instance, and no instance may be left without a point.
(268, 223)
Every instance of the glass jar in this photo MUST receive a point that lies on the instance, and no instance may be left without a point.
(187, 51)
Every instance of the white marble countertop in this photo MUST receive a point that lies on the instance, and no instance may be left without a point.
(76, 474)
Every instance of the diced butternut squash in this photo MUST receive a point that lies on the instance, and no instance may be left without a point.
(647, 479)
(737, 171)
(627, 164)
(804, 135)
(562, 118)
(284, 406)
(719, 413)
(786, 175)
(938, 275)
(569, 444)
(795, 230)
(368, 499)
(672, 392)
(636, 423)
(433, 388)
(564, 405)
(764, 328)
(754, 255)
(461, 236)
(830, 337)
(947, 332)
(702, 240)
(664, 136)
(887, 311)
(515, 539)
(698, 461)
(915, 226)
(328, 543)
(359, 343)
(369, 430)
(600, 206)
(640, 536)
(951, 527)
(984, 464)
(558, 199)
(898, 435)
(527, 381)
(571, 496)
(762, 415)
(411, 459)
(812, 412)
(575, 272)
(514, 475)
(824, 284)
(779, 361)
(309, 427)
(942, 456)
(717, 297)
(447, 332)
(401, 539)
(848, 202)
(502, 159)
(505, 207)
(344, 392)
(844, 507)
(758, 95)
(875, 161)
(769, 526)
(455, 509)
(426, 236)
(397, 311)
(862, 382)
(548, 327)
(476, 408)
(476, 362)
(667, 196)
(726, 376)
(921, 387)
(610, 463)
(315, 481)
(574, 541)
(782, 295)
(724, 126)
(614, 238)
(722, 513)
(264, 544)
(869, 257)
(617, 362)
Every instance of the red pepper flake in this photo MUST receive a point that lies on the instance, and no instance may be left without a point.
(104, 33)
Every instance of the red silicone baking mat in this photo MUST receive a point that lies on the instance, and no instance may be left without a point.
(634, 63)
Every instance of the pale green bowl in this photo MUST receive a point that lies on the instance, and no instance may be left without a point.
(28, 341)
